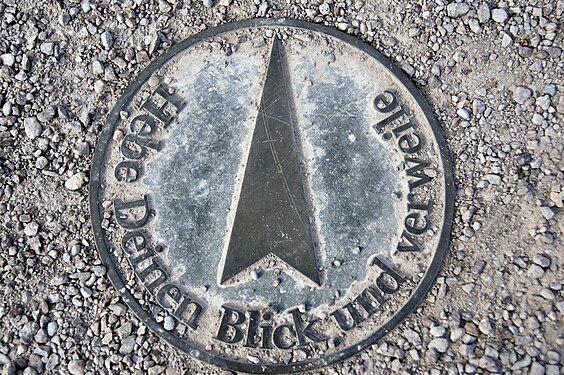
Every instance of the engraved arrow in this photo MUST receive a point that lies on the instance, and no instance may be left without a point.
(272, 214)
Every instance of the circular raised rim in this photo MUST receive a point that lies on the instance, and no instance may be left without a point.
(416, 297)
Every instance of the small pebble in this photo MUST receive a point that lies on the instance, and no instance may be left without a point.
(169, 323)
(76, 181)
(455, 10)
(32, 127)
(499, 15)
(521, 94)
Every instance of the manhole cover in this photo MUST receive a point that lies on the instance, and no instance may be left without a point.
(271, 196)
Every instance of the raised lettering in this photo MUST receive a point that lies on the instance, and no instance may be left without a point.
(124, 220)
(413, 223)
(388, 271)
(134, 147)
(181, 309)
(417, 172)
(157, 272)
(143, 125)
(229, 329)
(304, 333)
(167, 293)
(410, 143)
(280, 338)
(160, 111)
(411, 246)
(388, 120)
(254, 321)
(385, 102)
(128, 171)
(133, 242)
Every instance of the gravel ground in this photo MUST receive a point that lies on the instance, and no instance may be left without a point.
(493, 75)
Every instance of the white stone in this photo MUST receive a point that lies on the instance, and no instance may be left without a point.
(535, 271)
(107, 40)
(76, 367)
(76, 181)
(99, 86)
(32, 127)
(547, 212)
(97, 67)
(455, 10)
(499, 15)
(521, 94)
(8, 59)
(31, 229)
(47, 48)
(169, 323)
(541, 260)
(439, 344)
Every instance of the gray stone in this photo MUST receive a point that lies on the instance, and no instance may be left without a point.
(9, 369)
(125, 330)
(484, 14)
(99, 86)
(524, 362)
(47, 114)
(467, 350)
(28, 331)
(259, 41)
(107, 40)
(438, 331)
(462, 112)
(118, 308)
(325, 8)
(439, 344)
(76, 181)
(499, 15)
(52, 362)
(4, 359)
(31, 229)
(32, 127)
(41, 337)
(127, 345)
(547, 212)
(535, 271)
(485, 326)
(41, 162)
(541, 260)
(99, 270)
(550, 89)
(208, 3)
(521, 94)
(455, 10)
(489, 364)
(52, 328)
(544, 102)
(7, 109)
(47, 48)
(493, 179)
(30, 371)
(412, 336)
(533, 323)
(506, 40)
(97, 67)
(76, 367)
(456, 333)
(536, 369)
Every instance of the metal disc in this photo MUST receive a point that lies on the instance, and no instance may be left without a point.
(271, 196)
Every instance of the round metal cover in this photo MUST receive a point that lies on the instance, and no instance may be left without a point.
(271, 196)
